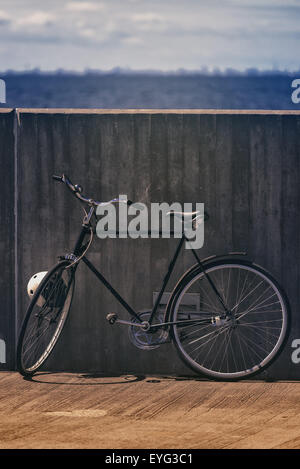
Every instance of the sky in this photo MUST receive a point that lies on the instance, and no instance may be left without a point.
(164, 35)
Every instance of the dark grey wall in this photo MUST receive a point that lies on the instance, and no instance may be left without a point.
(7, 198)
(243, 165)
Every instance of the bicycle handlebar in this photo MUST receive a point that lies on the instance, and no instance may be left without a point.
(76, 190)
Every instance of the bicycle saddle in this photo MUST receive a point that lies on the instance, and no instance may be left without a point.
(196, 215)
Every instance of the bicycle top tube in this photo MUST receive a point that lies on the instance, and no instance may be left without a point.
(76, 189)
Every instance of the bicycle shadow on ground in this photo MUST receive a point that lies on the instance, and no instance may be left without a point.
(102, 379)
(85, 379)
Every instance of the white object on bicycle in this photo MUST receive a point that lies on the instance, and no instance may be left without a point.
(33, 285)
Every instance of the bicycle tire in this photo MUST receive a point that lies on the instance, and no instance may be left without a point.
(49, 306)
(266, 338)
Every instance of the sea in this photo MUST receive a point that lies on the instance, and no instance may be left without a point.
(112, 90)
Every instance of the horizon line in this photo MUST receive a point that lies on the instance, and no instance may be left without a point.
(204, 71)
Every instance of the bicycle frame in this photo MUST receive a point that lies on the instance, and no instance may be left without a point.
(79, 249)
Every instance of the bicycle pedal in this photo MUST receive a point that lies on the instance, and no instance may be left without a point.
(111, 318)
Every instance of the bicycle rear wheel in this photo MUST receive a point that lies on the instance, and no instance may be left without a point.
(45, 318)
(236, 347)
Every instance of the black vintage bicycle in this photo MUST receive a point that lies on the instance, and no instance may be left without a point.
(228, 317)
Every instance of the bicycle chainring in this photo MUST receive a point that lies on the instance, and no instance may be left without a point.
(148, 339)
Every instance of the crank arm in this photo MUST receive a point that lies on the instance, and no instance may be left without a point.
(129, 323)
(112, 318)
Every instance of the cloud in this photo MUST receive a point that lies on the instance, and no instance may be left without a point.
(37, 18)
(84, 6)
(146, 17)
(132, 40)
(4, 15)
(4, 18)
(155, 34)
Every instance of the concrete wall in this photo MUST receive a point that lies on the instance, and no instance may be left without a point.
(7, 240)
(243, 165)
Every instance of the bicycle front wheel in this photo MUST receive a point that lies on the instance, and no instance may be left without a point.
(236, 346)
(45, 318)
